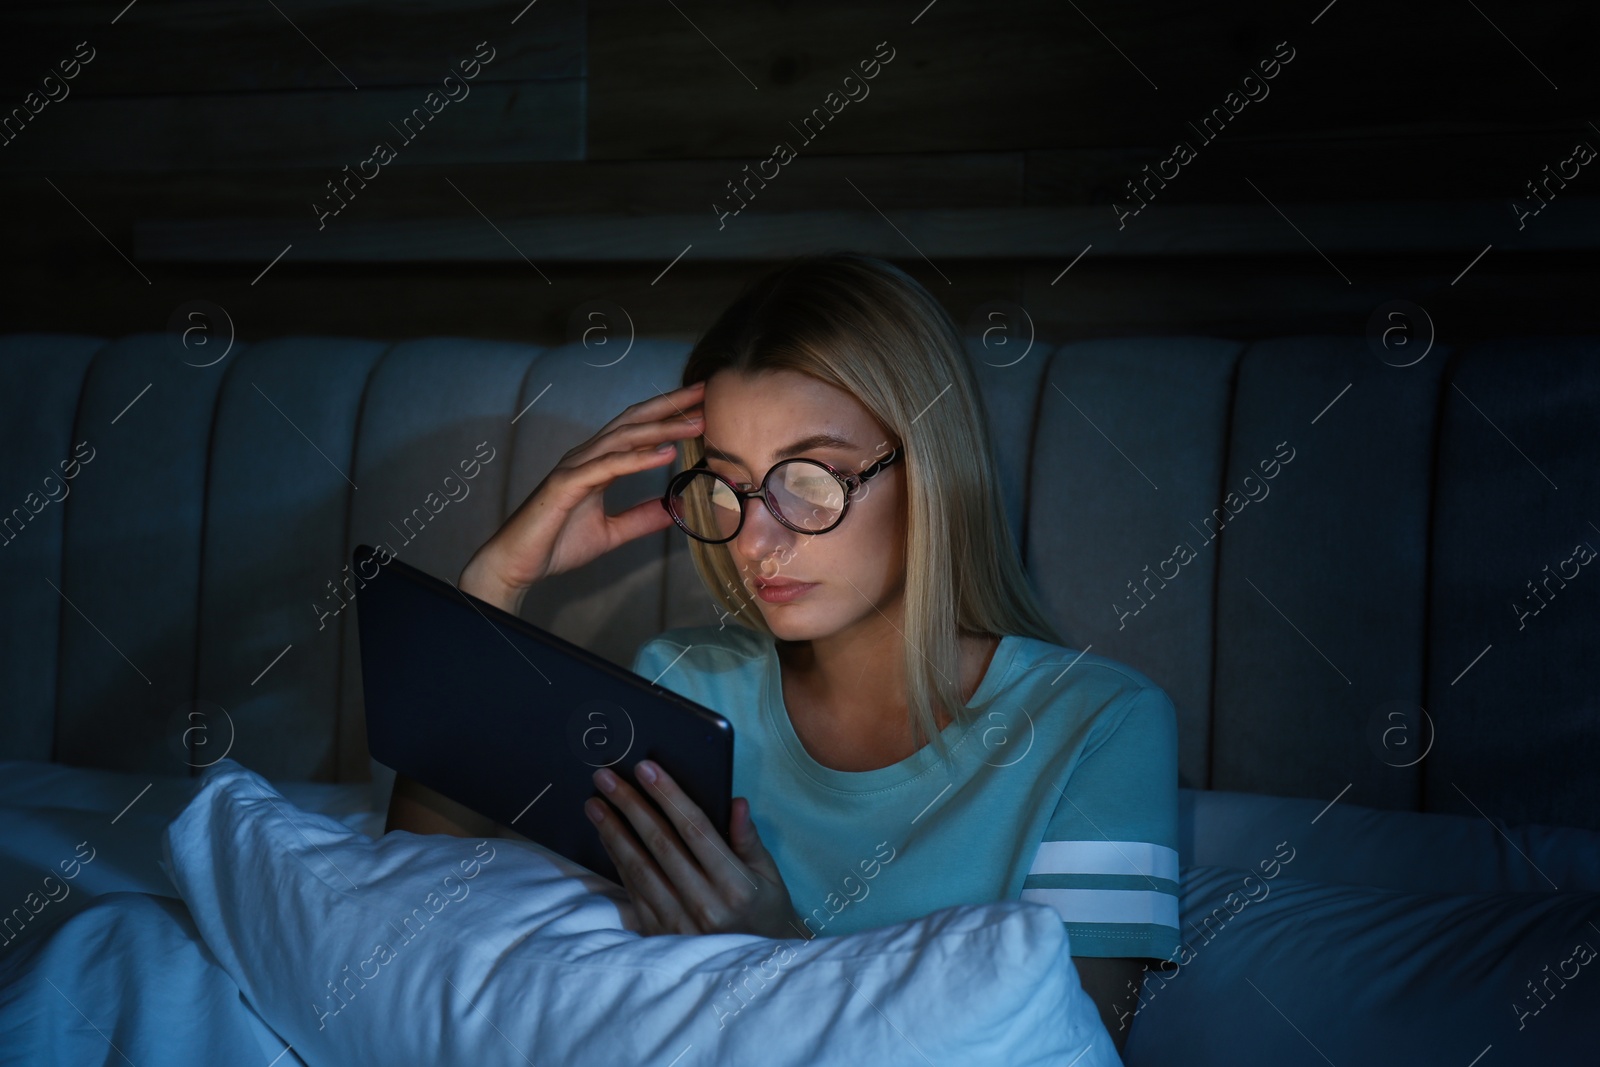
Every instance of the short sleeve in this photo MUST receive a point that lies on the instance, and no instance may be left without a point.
(658, 662)
(1108, 860)
(652, 664)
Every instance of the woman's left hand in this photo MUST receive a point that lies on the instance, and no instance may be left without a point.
(683, 878)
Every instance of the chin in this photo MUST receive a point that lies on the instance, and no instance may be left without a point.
(789, 623)
(783, 621)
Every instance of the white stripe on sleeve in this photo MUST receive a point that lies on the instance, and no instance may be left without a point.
(1106, 857)
(1109, 905)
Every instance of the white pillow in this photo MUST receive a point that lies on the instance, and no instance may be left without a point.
(515, 955)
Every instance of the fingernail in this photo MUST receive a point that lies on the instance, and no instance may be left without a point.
(595, 810)
(665, 446)
(606, 780)
(646, 771)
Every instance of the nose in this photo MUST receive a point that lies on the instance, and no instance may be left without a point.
(762, 534)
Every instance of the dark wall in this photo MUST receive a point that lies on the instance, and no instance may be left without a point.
(589, 157)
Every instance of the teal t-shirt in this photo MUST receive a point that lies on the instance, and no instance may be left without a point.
(1064, 791)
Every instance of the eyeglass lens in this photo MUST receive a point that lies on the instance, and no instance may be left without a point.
(805, 495)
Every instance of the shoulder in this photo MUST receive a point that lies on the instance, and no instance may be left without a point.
(1082, 700)
(1047, 673)
(702, 649)
(723, 668)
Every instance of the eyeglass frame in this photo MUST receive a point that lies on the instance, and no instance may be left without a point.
(850, 483)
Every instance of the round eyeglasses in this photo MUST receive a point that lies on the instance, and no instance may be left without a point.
(806, 495)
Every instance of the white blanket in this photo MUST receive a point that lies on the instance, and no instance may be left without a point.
(300, 931)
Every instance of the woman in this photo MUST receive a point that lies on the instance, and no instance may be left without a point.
(909, 723)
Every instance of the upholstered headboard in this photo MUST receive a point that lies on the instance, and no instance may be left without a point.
(1355, 580)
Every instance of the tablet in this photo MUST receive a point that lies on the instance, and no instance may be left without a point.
(511, 720)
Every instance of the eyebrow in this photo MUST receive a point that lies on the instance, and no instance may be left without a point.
(805, 444)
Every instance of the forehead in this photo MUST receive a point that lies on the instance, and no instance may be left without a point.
(755, 419)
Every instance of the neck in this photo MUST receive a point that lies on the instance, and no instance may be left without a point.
(858, 676)
(860, 667)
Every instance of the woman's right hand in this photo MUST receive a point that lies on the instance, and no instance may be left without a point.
(563, 524)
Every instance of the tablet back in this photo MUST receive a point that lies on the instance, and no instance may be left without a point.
(511, 720)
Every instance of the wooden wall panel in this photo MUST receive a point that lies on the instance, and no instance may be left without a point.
(201, 135)
(241, 86)
(249, 46)
(1037, 74)
(504, 123)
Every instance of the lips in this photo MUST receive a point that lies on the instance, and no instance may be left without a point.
(785, 591)
(778, 583)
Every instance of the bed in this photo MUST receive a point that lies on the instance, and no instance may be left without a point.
(1445, 926)
(1389, 732)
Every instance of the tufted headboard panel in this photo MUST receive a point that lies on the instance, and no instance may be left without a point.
(1354, 579)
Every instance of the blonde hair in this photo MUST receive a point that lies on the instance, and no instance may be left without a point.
(866, 327)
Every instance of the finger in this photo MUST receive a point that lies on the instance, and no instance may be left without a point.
(685, 422)
(635, 870)
(657, 407)
(645, 517)
(747, 843)
(653, 438)
(666, 845)
(722, 866)
(593, 461)
(635, 912)
(645, 922)
(573, 484)
(667, 899)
